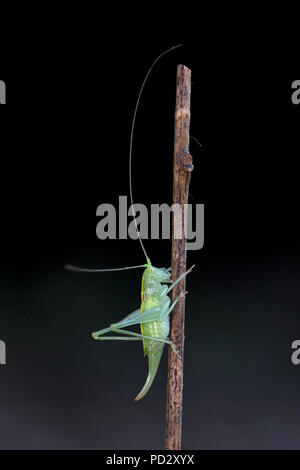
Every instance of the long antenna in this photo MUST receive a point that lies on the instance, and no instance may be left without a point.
(70, 267)
(131, 142)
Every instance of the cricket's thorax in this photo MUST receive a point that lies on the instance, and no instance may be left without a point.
(152, 288)
(151, 295)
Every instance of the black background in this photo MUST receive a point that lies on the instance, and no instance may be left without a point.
(64, 150)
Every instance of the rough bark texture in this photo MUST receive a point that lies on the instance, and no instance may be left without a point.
(181, 179)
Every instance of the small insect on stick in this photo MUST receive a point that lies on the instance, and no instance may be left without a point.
(156, 306)
(181, 178)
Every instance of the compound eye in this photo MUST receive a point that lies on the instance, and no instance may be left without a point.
(150, 270)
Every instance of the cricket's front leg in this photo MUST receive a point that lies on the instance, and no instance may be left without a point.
(177, 280)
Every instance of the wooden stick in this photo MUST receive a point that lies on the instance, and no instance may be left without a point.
(181, 179)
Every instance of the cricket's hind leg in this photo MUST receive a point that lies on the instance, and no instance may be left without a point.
(140, 336)
(132, 336)
(124, 338)
(133, 318)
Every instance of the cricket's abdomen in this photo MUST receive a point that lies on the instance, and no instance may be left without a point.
(156, 329)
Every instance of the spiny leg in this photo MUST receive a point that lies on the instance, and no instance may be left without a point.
(140, 336)
(153, 314)
(133, 319)
(177, 280)
(103, 338)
